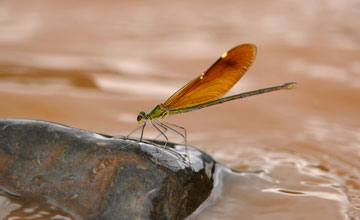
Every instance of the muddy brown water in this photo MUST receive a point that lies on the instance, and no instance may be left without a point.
(95, 64)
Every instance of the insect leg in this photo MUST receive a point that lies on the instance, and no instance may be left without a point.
(142, 131)
(161, 132)
(137, 128)
(168, 125)
(184, 135)
(165, 130)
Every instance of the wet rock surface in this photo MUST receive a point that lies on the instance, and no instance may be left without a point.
(96, 176)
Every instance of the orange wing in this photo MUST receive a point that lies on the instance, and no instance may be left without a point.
(217, 80)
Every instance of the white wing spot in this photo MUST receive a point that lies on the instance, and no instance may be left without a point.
(202, 75)
(224, 55)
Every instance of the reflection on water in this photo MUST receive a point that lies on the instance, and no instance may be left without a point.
(288, 185)
(95, 65)
(17, 208)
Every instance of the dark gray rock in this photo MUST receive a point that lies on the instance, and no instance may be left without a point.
(97, 176)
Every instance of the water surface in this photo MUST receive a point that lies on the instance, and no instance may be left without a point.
(95, 64)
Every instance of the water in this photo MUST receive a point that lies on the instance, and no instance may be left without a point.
(95, 65)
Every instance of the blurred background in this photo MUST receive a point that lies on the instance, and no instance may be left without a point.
(95, 64)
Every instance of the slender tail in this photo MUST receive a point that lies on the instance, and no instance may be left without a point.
(285, 86)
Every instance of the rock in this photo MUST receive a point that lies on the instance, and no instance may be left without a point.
(96, 176)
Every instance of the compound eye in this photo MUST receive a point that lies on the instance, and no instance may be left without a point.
(139, 118)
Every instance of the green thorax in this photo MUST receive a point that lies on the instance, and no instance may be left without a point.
(158, 112)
